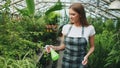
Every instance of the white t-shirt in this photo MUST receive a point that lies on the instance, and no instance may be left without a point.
(77, 31)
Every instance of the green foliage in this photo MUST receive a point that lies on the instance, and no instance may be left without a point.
(29, 10)
(52, 18)
(109, 24)
(30, 6)
(103, 45)
(106, 54)
(23, 38)
(6, 5)
(118, 25)
(57, 6)
(1, 18)
(11, 63)
(101, 25)
(113, 58)
(16, 41)
(23, 11)
(6, 12)
(19, 37)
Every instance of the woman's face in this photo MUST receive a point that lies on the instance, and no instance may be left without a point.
(74, 16)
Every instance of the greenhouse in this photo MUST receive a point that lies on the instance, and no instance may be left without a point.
(27, 26)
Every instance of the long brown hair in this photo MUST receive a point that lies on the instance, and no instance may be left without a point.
(78, 7)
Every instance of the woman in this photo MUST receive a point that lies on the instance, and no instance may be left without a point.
(75, 37)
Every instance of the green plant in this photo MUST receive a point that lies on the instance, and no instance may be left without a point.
(113, 59)
(57, 6)
(52, 18)
(22, 39)
(29, 10)
(103, 45)
(11, 63)
(50, 15)
(106, 44)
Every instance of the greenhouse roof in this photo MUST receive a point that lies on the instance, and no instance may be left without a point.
(95, 8)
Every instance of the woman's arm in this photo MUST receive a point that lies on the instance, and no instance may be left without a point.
(91, 50)
(61, 46)
(92, 47)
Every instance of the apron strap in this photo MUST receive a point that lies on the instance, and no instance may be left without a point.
(82, 31)
(69, 30)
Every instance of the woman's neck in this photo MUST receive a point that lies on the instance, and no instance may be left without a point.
(77, 24)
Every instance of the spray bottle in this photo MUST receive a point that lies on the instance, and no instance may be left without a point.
(54, 54)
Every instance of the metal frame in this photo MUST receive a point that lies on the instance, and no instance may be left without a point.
(90, 5)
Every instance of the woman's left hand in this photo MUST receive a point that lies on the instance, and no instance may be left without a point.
(85, 61)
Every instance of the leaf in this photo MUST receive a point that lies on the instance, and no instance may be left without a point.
(57, 6)
(30, 6)
(23, 11)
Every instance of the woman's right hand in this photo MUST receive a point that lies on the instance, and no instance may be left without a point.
(48, 48)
